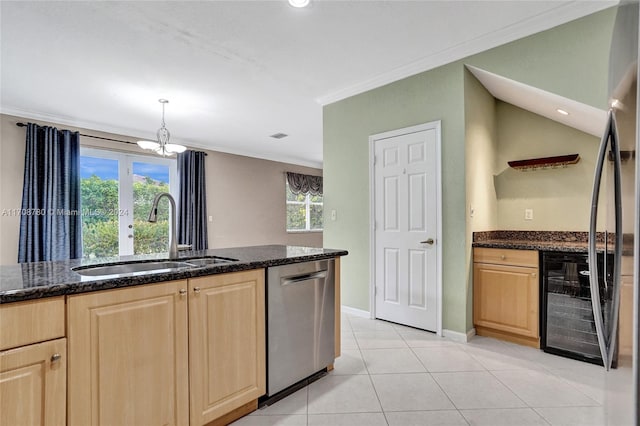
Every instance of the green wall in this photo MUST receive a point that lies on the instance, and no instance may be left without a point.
(481, 146)
(569, 60)
(560, 198)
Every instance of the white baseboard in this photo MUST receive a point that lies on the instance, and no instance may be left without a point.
(355, 312)
(456, 336)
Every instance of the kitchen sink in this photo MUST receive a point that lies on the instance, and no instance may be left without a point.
(149, 267)
(206, 261)
(130, 268)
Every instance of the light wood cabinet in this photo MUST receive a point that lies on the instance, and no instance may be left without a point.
(506, 295)
(33, 363)
(625, 324)
(32, 321)
(226, 343)
(128, 354)
(174, 353)
(33, 382)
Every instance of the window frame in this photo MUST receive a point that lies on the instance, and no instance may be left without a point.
(125, 191)
(307, 203)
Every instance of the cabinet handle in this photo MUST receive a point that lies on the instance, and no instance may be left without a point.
(503, 257)
(182, 292)
(55, 357)
(196, 289)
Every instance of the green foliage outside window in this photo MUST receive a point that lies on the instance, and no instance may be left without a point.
(304, 211)
(101, 214)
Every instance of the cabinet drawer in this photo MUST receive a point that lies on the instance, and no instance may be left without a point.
(32, 321)
(497, 256)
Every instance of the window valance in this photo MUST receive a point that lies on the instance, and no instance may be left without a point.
(304, 184)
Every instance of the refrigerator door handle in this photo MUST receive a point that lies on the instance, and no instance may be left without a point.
(617, 265)
(606, 338)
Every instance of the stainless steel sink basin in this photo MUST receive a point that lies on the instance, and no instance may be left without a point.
(148, 267)
(206, 261)
(130, 268)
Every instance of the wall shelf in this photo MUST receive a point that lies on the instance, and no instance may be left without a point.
(545, 162)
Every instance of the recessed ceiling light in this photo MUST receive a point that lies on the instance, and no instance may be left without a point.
(563, 112)
(299, 3)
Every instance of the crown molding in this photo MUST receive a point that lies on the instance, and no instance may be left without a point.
(122, 132)
(565, 12)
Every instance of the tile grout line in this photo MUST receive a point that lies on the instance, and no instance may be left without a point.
(369, 376)
(436, 382)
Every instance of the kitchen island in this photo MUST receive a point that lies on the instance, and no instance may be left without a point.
(176, 347)
(36, 280)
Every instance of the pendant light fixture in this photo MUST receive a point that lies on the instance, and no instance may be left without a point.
(162, 145)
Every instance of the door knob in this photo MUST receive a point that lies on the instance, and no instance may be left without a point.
(428, 241)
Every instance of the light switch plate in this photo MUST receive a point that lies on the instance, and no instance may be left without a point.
(334, 215)
(528, 214)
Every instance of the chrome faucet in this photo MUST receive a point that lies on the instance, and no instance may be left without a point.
(153, 217)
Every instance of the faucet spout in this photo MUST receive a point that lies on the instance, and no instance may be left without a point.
(173, 232)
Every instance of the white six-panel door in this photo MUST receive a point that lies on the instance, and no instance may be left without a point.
(405, 228)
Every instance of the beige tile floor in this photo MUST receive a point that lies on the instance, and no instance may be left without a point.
(398, 376)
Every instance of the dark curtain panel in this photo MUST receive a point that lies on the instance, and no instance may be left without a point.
(192, 200)
(50, 221)
(304, 184)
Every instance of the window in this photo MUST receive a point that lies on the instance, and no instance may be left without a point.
(304, 212)
(116, 194)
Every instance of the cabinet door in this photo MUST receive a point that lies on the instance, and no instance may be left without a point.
(506, 298)
(128, 360)
(226, 343)
(33, 383)
(625, 326)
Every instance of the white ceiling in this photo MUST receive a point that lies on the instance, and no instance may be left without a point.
(237, 71)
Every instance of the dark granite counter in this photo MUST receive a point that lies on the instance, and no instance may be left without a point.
(45, 279)
(573, 242)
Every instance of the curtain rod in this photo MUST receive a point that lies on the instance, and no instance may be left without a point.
(89, 136)
(95, 137)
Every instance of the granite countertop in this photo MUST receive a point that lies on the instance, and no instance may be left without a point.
(571, 242)
(36, 280)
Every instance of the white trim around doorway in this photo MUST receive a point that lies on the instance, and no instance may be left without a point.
(372, 241)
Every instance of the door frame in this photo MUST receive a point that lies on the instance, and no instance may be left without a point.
(432, 125)
(125, 192)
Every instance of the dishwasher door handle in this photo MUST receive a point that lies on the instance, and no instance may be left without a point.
(305, 277)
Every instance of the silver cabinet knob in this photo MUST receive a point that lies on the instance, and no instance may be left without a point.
(182, 292)
(429, 241)
(196, 289)
(503, 257)
(55, 357)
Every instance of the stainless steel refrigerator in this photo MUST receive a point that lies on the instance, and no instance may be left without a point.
(616, 295)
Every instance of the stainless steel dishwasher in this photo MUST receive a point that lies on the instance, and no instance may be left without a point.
(300, 322)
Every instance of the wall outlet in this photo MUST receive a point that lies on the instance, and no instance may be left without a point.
(210, 218)
(334, 215)
(528, 214)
